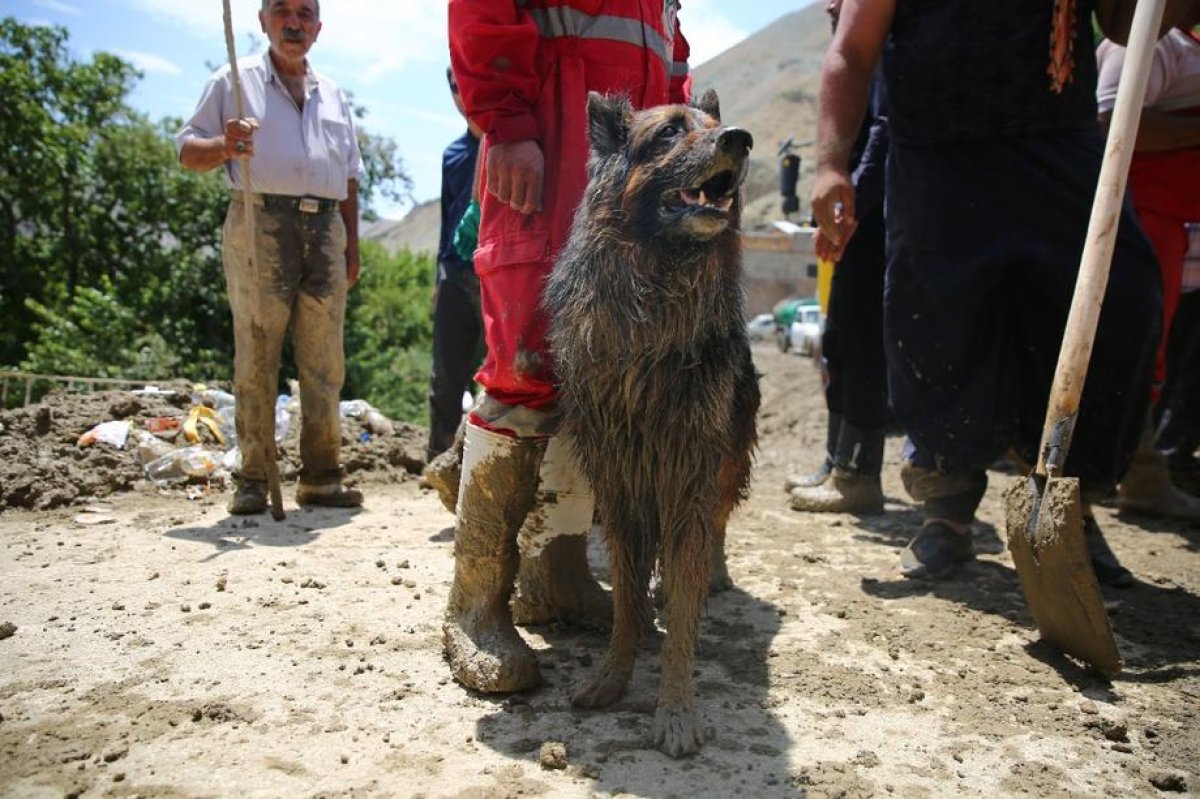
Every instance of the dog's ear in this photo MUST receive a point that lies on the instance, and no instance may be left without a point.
(710, 105)
(609, 119)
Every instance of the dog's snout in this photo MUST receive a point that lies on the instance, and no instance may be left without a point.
(735, 141)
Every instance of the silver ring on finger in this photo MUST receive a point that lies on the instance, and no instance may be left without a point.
(240, 146)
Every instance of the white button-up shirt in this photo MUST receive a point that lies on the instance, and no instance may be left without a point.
(296, 152)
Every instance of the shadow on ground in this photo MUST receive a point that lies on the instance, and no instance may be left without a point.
(745, 751)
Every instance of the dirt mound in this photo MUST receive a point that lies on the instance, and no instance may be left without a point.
(43, 465)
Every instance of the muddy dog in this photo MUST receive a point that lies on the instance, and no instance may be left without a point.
(658, 391)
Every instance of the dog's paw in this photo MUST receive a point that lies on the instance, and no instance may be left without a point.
(677, 732)
(719, 582)
(601, 691)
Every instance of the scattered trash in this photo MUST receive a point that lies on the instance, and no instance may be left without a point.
(149, 447)
(216, 398)
(283, 417)
(203, 415)
(163, 424)
(371, 419)
(354, 409)
(112, 433)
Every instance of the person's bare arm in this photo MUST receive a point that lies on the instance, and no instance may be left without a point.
(1161, 130)
(845, 79)
(203, 154)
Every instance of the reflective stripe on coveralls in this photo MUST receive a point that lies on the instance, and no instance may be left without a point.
(563, 21)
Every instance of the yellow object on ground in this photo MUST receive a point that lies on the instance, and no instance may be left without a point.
(202, 414)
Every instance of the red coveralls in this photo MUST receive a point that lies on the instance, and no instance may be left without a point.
(1164, 186)
(524, 68)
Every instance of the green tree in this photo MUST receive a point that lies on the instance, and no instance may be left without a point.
(49, 126)
(110, 251)
(389, 333)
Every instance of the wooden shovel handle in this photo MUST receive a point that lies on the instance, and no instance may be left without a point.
(1094, 265)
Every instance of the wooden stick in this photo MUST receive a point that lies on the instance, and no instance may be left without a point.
(248, 201)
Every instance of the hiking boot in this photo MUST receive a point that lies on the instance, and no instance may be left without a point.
(333, 495)
(249, 498)
(1147, 487)
(500, 478)
(817, 478)
(443, 474)
(846, 492)
(1109, 570)
(936, 552)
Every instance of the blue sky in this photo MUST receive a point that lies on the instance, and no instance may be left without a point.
(390, 53)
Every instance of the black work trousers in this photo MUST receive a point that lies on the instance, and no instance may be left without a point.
(457, 354)
(1178, 410)
(852, 342)
(984, 242)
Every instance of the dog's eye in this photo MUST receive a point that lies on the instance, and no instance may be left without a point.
(667, 132)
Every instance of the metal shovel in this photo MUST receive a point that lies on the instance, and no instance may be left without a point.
(1044, 517)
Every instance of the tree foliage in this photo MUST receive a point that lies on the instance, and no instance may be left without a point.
(389, 332)
(110, 252)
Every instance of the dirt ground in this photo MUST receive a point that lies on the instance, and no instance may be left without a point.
(151, 645)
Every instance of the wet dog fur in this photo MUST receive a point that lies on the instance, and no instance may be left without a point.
(657, 387)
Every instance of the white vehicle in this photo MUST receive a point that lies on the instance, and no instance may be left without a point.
(760, 327)
(805, 333)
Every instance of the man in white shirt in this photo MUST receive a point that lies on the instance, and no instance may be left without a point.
(298, 132)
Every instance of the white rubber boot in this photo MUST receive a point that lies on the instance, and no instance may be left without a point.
(554, 582)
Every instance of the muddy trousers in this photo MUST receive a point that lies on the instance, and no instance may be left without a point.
(852, 349)
(457, 352)
(298, 282)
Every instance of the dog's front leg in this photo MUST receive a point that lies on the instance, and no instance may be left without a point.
(685, 575)
(631, 617)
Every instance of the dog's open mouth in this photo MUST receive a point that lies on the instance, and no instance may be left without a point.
(717, 193)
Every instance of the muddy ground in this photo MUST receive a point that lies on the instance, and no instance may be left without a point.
(151, 645)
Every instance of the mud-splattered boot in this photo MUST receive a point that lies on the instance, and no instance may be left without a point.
(1147, 487)
(484, 649)
(444, 472)
(821, 475)
(854, 486)
(845, 492)
(554, 581)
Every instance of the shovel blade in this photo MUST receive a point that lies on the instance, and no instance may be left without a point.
(1044, 522)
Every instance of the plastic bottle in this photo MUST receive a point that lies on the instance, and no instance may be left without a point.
(217, 399)
(180, 464)
(283, 418)
(229, 425)
(149, 447)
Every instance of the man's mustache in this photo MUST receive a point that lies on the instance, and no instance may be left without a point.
(293, 35)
